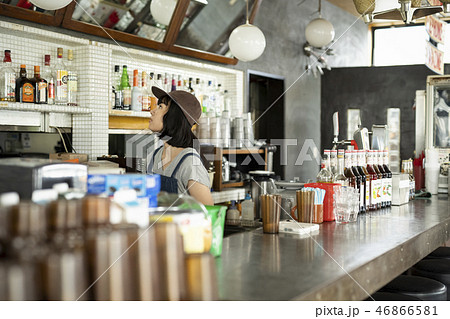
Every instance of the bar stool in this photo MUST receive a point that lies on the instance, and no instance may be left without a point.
(440, 253)
(419, 287)
(389, 296)
(437, 269)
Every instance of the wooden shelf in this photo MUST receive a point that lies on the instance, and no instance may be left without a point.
(243, 151)
(229, 185)
(129, 113)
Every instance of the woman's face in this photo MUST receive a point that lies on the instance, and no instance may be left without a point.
(156, 121)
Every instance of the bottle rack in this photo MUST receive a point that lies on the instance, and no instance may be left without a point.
(92, 121)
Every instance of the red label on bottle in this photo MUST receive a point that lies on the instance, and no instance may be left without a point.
(51, 90)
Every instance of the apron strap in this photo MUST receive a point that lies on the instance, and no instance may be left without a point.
(150, 165)
(181, 161)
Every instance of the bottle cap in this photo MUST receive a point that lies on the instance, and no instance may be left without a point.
(248, 196)
(37, 69)
(124, 66)
(7, 52)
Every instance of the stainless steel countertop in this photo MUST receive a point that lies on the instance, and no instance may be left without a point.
(340, 262)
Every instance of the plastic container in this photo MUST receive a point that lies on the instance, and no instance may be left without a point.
(328, 202)
(217, 215)
(233, 217)
(432, 178)
(248, 211)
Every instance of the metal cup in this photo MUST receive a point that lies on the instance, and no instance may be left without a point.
(271, 210)
(201, 277)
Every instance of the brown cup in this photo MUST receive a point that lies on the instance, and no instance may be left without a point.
(95, 211)
(318, 214)
(170, 252)
(201, 277)
(271, 210)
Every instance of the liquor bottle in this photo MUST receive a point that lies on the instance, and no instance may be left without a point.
(136, 93)
(72, 81)
(179, 83)
(117, 89)
(360, 181)
(7, 79)
(145, 94)
(340, 177)
(61, 79)
(412, 181)
(377, 161)
(173, 86)
(333, 162)
(374, 182)
(190, 88)
(160, 82)
(326, 156)
(324, 175)
(47, 74)
(24, 87)
(351, 178)
(153, 99)
(363, 171)
(380, 178)
(167, 84)
(126, 89)
(40, 87)
(389, 178)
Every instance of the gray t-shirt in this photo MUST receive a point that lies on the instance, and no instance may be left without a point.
(190, 169)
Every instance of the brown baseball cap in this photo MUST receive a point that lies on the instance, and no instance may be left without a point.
(185, 100)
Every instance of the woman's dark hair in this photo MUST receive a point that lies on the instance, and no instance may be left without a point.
(176, 125)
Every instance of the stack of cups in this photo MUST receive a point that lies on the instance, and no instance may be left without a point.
(432, 168)
(215, 131)
(248, 130)
(238, 132)
(204, 129)
(226, 132)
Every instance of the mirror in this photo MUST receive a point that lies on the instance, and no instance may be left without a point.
(26, 4)
(206, 27)
(130, 16)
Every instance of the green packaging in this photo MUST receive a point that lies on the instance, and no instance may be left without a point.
(217, 216)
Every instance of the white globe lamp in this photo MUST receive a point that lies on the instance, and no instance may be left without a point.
(162, 10)
(247, 42)
(319, 33)
(50, 4)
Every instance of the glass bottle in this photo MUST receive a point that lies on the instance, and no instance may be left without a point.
(24, 87)
(326, 157)
(340, 177)
(167, 84)
(72, 81)
(173, 86)
(389, 178)
(363, 171)
(7, 79)
(360, 181)
(117, 89)
(126, 89)
(61, 79)
(136, 93)
(190, 88)
(324, 175)
(380, 179)
(153, 99)
(378, 162)
(351, 178)
(40, 87)
(412, 182)
(179, 83)
(47, 74)
(373, 182)
(333, 162)
(145, 93)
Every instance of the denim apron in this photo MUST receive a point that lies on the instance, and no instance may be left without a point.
(169, 184)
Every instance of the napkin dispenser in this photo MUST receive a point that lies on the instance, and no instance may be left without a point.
(400, 189)
(24, 175)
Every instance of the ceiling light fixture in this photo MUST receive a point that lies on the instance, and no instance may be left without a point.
(50, 4)
(409, 11)
(247, 42)
(162, 10)
(319, 32)
(365, 8)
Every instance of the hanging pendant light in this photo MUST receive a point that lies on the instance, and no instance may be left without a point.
(365, 8)
(247, 42)
(319, 32)
(50, 4)
(162, 10)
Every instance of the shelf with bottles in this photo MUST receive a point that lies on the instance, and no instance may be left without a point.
(33, 107)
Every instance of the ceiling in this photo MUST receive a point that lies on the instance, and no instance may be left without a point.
(347, 5)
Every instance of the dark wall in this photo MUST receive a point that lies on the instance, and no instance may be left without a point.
(372, 90)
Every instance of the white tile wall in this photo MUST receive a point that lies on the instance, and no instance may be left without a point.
(94, 62)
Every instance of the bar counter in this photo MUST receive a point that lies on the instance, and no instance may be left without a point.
(340, 262)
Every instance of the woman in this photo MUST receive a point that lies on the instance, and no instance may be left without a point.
(177, 162)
